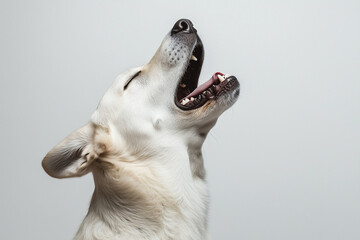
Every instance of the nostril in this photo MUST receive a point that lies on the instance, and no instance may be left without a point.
(183, 25)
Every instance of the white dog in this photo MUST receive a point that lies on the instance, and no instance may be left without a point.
(143, 146)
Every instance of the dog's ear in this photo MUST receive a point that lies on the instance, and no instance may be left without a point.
(73, 156)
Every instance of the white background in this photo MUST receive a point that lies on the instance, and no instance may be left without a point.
(283, 163)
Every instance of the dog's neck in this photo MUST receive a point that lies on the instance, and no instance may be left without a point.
(128, 193)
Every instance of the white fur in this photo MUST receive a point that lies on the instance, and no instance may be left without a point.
(145, 156)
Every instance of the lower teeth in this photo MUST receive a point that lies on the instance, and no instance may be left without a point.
(221, 78)
(204, 93)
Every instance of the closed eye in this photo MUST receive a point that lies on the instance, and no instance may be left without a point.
(128, 82)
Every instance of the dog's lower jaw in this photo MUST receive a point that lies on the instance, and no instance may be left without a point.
(135, 209)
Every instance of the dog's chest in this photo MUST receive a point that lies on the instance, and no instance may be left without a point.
(149, 204)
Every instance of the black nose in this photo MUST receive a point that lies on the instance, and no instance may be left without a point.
(183, 25)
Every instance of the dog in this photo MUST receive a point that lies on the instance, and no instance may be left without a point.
(143, 146)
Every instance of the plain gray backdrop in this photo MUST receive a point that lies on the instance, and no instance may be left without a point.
(283, 163)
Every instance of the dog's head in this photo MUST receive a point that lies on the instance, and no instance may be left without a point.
(150, 109)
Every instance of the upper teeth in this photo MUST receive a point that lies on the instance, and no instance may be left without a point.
(193, 58)
(186, 100)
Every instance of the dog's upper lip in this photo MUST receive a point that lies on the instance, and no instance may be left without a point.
(191, 74)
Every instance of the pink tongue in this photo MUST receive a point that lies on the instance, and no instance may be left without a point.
(204, 86)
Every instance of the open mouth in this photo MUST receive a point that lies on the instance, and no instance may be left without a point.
(189, 95)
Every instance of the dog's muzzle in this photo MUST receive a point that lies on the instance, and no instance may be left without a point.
(188, 94)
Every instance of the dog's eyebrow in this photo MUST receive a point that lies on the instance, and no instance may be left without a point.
(127, 83)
